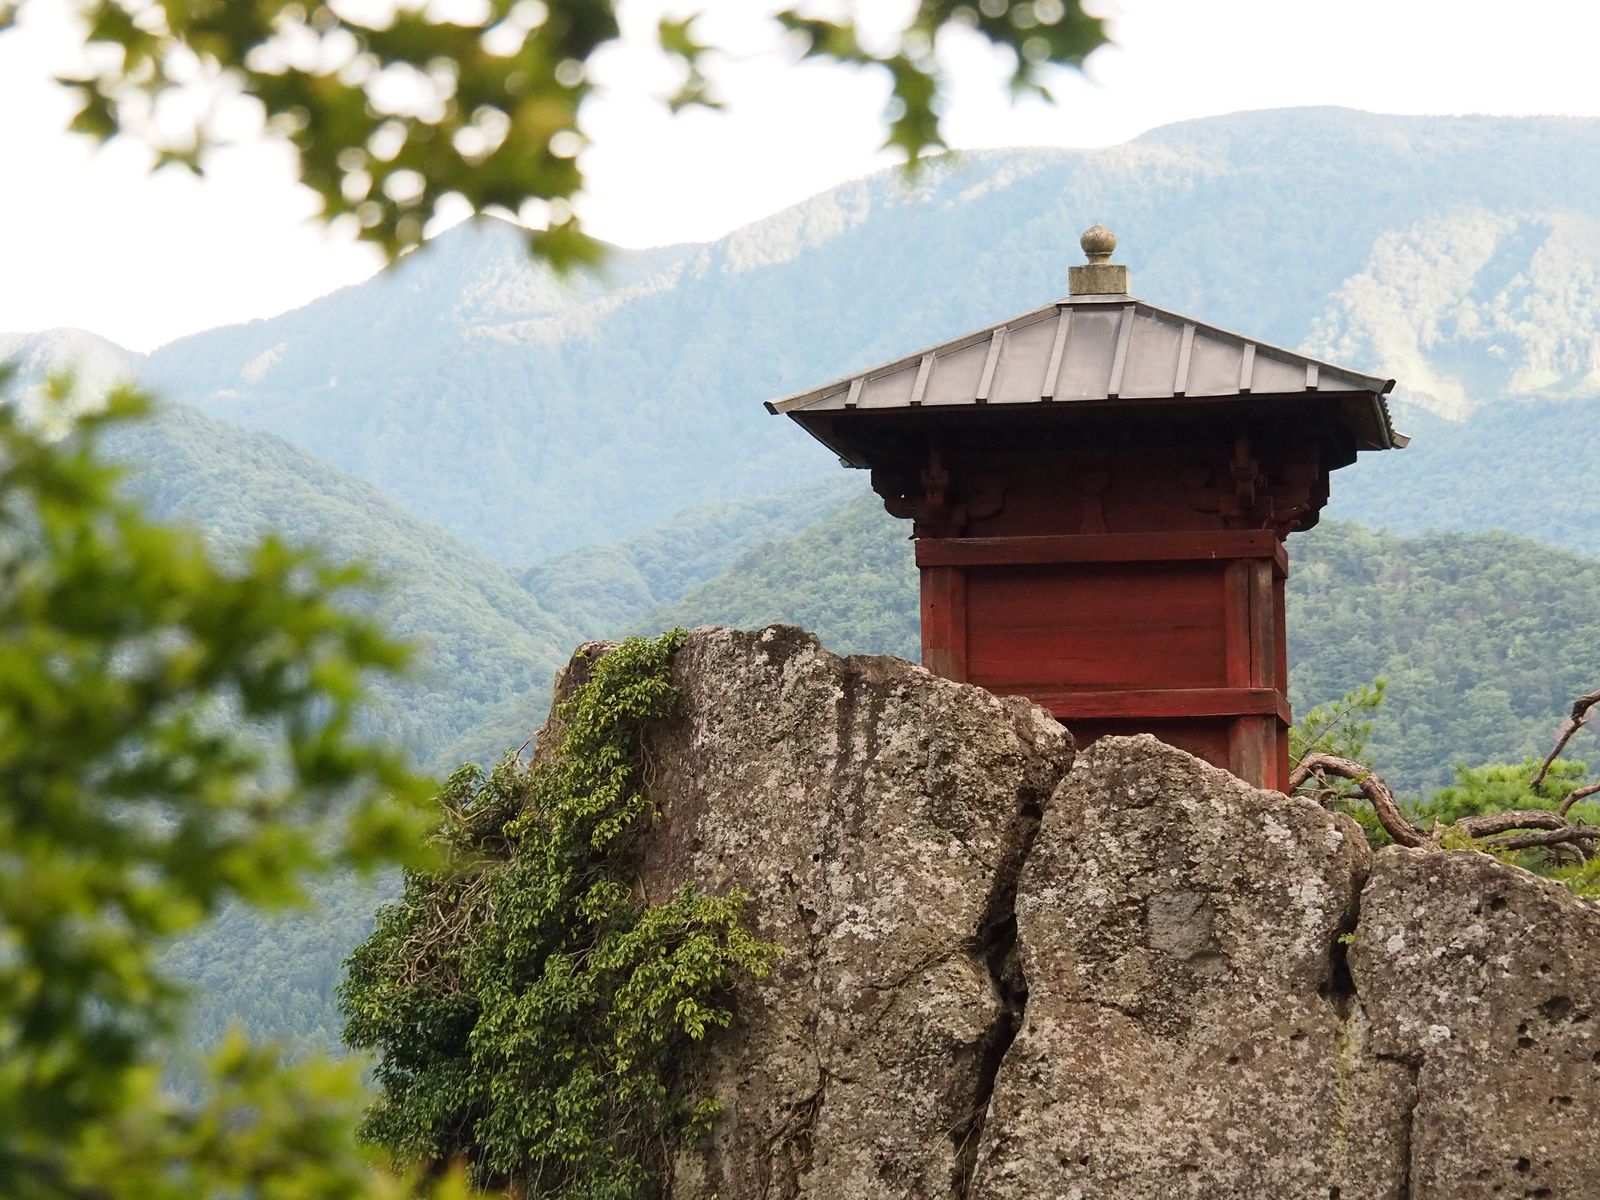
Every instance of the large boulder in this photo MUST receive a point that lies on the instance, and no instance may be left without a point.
(1484, 982)
(878, 817)
(1011, 974)
(1187, 1028)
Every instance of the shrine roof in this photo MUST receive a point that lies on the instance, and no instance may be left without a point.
(1099, 348)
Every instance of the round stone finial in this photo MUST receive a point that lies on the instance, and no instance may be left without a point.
(1098, 242)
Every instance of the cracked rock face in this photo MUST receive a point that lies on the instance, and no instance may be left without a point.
(1186, 1029)
(1485, 981)
(877, 816)
(1134, 978)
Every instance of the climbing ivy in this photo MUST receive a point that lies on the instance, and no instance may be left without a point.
(533, 1013)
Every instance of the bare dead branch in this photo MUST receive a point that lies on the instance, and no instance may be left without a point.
(1485, 824)
(1577, 794)
(1371, 786)
(1576, 720)
(1515, 829)
(1582, 837)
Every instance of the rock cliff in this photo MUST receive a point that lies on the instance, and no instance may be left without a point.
(1011, 971)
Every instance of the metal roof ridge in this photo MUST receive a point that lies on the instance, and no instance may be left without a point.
(798, 399)
(1373, 383)
(1381, 386)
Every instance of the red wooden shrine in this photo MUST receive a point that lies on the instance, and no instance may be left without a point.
(1099, 493)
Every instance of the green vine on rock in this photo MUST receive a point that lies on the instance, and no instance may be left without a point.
(533, 1013)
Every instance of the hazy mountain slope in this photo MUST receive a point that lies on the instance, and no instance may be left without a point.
(479, 635)
(1485, 638)
(97, 364)
(529, 418)
(479, 638)
(1528, 467)
(602, 590)
(456, 383)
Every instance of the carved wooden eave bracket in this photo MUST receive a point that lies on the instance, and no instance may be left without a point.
(937, 504)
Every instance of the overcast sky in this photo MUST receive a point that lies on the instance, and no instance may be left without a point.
(90, 240)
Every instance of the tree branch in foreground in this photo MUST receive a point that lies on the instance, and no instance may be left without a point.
(1514, 829)
(1371, 786)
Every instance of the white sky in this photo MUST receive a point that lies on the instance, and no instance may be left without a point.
(91, 240)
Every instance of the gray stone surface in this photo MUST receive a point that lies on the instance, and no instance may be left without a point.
(877, 815)
(1134, 978)
(1186, 1027)
(1484, 981)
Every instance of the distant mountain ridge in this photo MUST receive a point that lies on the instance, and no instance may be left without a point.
(529, 415)
(96, 363)
(532, 461)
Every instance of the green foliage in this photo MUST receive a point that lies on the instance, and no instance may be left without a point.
(1341, 727)
(1039, 31)
(1502, 787)
(534, 1013)
(390, 112)
(174, 735)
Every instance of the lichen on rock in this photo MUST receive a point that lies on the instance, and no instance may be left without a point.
(1483, 979)
(1187, 1031)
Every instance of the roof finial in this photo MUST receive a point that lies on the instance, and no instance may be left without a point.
(1099, 276)
(1098, 243)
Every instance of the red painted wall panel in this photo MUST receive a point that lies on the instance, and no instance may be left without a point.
(1101, 625)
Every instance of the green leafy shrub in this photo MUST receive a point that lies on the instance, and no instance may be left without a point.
(177, 735)
(534, 1014)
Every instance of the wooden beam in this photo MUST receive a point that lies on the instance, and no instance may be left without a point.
(1263, 628)
(1253, 751)
(1151, 703)
(1102, 547)
(944, 622)
(1236, 622)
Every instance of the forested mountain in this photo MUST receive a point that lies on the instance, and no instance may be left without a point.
(600, 589)
(1484, 638)
(531, 417)
(1526, 466)
(465, 416)
(478, 635)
